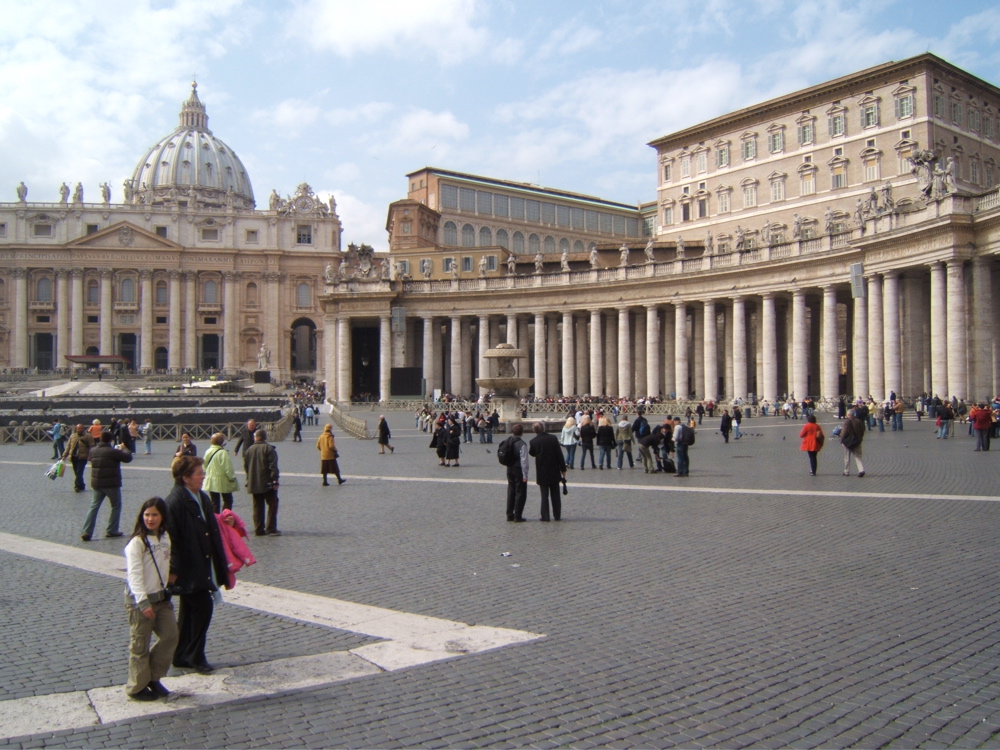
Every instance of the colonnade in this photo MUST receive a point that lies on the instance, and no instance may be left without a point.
(927, 328)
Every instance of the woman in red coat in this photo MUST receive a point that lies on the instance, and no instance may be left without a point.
(812, 441)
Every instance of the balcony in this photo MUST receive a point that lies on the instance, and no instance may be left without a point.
(41, 306)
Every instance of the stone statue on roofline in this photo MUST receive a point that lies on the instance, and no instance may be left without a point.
(22, 192)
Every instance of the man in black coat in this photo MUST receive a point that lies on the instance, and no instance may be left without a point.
(517, 476)
(197, 558)
(106, 482)
(246, 437)
(550, 469)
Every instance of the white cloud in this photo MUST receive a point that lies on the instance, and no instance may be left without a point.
(291, 116)
(363, 222)
(445, 29)
(368, 112)
(421, 131)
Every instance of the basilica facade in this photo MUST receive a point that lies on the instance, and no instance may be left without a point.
(184, 274)
(839, 240)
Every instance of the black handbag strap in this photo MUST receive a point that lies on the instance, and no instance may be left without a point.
(158, 574)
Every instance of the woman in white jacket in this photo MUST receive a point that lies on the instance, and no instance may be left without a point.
(147, 568)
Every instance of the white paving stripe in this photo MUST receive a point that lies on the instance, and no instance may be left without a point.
(407, 640)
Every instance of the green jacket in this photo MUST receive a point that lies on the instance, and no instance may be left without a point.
(219, 474)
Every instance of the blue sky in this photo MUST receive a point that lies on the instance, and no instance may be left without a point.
(350, 96)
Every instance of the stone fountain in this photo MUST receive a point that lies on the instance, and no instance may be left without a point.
(506, 384)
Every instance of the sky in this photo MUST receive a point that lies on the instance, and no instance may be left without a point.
(351, 96)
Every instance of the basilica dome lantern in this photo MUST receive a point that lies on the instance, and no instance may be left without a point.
(191, 167)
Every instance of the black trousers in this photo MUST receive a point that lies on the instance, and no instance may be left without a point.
(226, 499)
(194, 615)
(517, 495)
(269, 498)
(553, 491)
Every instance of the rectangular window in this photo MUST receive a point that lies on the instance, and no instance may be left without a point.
(685, 166)
(776, 142)
(533, 210)
(806, 133)
(92, 319)
(666, 172)
(161, 231)
(668, 215)
(304, 234)
(989, 176)
(500, 205)
(836, 125)
(161, 320)
(466, 200)
(605, 222)
(938, 105)
(484, 202)
(973, 119)
(869, 116)
(211, 321)
(3, 230)
(904, 106)
(449, 196)
(838, 178)
(872, 171)
(749, 149)
(466, 264)
(43, 230)
(252, 236)
(685, 212)
(590, 220)
(577, 218)
(446, 264)
(619, 225)
(723, 203)
(988, 128)
(517, 208)
(548, 213)
(92, 228)
(702, 208)
(974, 172)
(749, 196)
(722, 156)
(777, 191)
(702, 162)
(807, 184)
(210, 234)
(491, 262)
(42, 318)
(956, 113)
(404, 267)
(562, 216)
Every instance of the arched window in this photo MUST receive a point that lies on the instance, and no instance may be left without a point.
(534, 245)
(450, 233)
(563, 245)
(128, 290)
(161, 293)
(518, 243)
(550, 245)
(578, 246)
(251, 294)
(44, 289)
(93, 292)
(468, 235)
(303, 295)
(485, 237)
(503, 240)
(211, 293)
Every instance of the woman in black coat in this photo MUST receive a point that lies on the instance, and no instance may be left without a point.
(727, 425)
(384, 435)
(440, 441)
(454, 442)
(587, 435)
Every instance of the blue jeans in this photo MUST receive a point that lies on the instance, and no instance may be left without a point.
(570, 454)
(604, 452)
(585, 449)
(943, 429)
(736, 430)
(114, 494)
(682, 460)
(623, 450)
(897, 421)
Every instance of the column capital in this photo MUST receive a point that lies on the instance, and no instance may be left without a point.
(174, 274)
(231, 276)
(107, 273)
(145, 274)
(19, 273)
(76, 273)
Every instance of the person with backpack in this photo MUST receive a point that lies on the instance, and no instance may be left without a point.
(550, 469)
(683, 439)
(513, 453)
(640, 425)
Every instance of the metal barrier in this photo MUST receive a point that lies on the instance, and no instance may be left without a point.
(38, 433)
(349, 424)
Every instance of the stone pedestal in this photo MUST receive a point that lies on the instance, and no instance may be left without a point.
(262, 376)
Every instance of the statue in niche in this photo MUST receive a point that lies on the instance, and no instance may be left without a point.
(680, 246)
(22, 192)
(623, 257)
(564, 261)
(105, 192)
(511, 264)
(648, 250)
(539, 262)
(709, 243)
(64, 193)
(593, 256)
(796, 227)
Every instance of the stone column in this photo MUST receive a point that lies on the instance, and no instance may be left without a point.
(669, 355)
(653, 368)
(331, 357)
(568, 364)
(467, 359)
(596, 354)
(582, 360)
(191, 321)
(876, 357)
(625, 379)
(859, 355)
(610, 320)
(740, 348)
(146, 358)
(457, 355)
(681, 351)
(523, 335)
(275, 341)
(62, 316)
(890, 326)
(20, 358)
(939, 331)
(770, 348)
(727, 352)
(981, 330)
(697, 360)
(957, 331)
(429, 353)
(710, 336)
(552, 353)
(639, 387)
(541, 379)
(385, 357)
(800, 345)
(831, 364)
(107, 278)
(484, 346)
(230, 322)
(174, 322)
(344, 359)
(78, 315)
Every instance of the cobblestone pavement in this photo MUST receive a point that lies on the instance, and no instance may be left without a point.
(748, 605)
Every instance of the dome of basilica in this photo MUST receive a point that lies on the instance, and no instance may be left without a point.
(191, 167)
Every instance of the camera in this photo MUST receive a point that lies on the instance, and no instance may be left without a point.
(171, 589)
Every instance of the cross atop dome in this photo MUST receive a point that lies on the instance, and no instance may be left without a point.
(193, 115)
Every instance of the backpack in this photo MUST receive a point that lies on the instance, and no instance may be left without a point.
(686, 437)
(507, 453)
(643, 427)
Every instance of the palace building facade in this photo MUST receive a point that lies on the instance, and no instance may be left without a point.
(184, 274)
(839, 240)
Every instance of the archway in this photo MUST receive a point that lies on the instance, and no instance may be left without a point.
(303, 346)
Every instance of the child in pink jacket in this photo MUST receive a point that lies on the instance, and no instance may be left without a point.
(234, 534)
